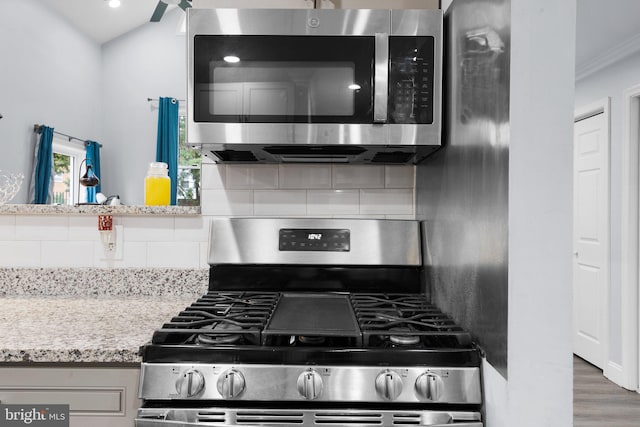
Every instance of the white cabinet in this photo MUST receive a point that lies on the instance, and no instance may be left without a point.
(97, 397)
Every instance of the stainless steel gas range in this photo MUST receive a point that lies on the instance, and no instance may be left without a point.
(311, 322)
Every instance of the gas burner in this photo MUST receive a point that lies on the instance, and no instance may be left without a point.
(221, 333)
(207, 339)
(404, 338)
(311, 340)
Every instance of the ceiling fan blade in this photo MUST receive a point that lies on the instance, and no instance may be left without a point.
(157, 14)
(184, 4)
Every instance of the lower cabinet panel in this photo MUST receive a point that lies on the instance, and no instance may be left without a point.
(96, 396)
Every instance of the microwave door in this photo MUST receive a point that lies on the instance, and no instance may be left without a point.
(381, 79)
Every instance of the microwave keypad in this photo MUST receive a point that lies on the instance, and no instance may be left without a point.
(411, 79)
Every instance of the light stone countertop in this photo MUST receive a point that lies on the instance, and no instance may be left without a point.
(28, 209)
(82, 329)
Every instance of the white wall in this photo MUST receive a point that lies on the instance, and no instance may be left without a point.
(611, 82)
(539, 392)
(50, 74)
(148, 62)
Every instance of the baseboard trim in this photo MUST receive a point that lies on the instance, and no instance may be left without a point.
(614, 373)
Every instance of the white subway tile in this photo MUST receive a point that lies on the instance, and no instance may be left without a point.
(191, 229)
(204, 253)
(147, 228)
(387, 202)
(213, 176)
(84, 228)
(227, 202)
(42, 227)
(358, 176)
(332, 202)
(280, 202)
(173, 254)
(305, 176)
(134, 255)
(399, 176)
(20, 254)
(67, 254)
(248, 177)
(7, 227)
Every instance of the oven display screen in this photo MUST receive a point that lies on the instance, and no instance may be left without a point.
(306, 239)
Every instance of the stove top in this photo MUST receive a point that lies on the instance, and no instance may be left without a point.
(296, 327)
(296, 319)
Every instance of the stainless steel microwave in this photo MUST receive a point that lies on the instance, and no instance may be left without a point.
(314, 85)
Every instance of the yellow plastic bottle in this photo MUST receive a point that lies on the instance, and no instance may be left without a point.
(157, 185)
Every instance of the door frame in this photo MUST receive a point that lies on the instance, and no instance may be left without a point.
(630, 238)
(603, 106)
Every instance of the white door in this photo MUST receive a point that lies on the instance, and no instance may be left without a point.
(591, 238)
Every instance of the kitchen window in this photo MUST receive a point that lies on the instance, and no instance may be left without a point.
(189, 168)
(67, 156)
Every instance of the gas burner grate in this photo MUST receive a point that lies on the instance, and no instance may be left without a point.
(407, 321)
(220, 318)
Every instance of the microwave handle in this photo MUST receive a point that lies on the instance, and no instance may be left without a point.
(381, 80)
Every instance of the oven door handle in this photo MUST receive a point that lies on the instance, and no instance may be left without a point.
(164, 423)
(381, 78)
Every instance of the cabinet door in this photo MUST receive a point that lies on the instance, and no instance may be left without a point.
(97, 397)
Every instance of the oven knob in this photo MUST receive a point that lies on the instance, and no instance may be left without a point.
(231, 384)
(310, 384)
(429, 386)
(389, 385)
(190, 383)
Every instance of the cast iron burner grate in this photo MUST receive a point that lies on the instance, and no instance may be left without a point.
(274, 319)
(408, 321)
(220, 318)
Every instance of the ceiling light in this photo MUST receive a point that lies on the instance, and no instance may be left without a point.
(114, 3)
(354, 86)
(231, 58)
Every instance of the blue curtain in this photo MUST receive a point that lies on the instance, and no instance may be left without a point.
(41, 188)
(167, 146)
(93, 159)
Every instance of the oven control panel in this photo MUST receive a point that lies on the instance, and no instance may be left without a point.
(373, 384)
(308, 239)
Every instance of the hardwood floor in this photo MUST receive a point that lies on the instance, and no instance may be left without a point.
(599, 402)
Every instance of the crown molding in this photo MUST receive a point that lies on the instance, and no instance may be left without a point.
(610, 56)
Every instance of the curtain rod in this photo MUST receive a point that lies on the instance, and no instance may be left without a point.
(156, 99)
(36, 129)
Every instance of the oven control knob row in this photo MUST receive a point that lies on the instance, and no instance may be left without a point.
(190, 383)
(389, 385)
(231, 384)
(310, 384)
(429, 386)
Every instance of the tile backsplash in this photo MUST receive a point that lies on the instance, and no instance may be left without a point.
(350, 191)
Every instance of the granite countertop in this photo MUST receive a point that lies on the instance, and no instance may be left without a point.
(81, 328)
(28, 209)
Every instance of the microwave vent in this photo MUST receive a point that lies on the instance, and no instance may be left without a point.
(393, 157)
(321, 150)
(235, 156)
